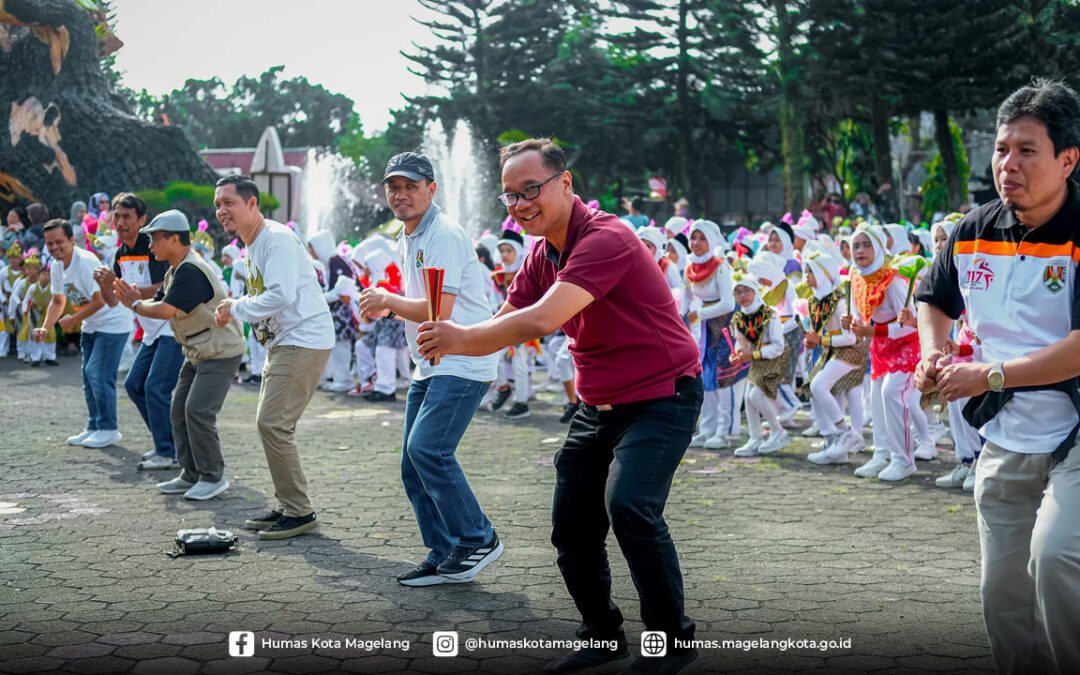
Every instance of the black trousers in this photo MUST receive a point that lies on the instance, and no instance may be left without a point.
(614, 472)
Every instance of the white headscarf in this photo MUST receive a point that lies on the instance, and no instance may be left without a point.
(805, 230)
(751, 282)
(232, 251)
(826, 272)
(519, 254)
(322, 243)
(675, 225)
(901, 245)
(377, 261)
(767, 265)
(680, 252)
(877, 241)
(656, 237)
(713, 238)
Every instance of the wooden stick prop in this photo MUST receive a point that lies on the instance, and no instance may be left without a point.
(433, 283)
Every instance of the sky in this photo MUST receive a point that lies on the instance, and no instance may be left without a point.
(350, 47)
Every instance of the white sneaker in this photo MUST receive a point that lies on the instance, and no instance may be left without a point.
(955, 479)
(938, 431)
(157, 462)
(812, 431)
(149, 454)
(896, 471)
(969, 482)
(204, 490)
(717, 442)
(78, 438)
(561, 399)
(103, 438)
(777, 440)
(926, 451)
(176, 486)
(336, 386)
(750, 448)
(834, 452)
(872, 468)
(788, 414)
(854, 442)
(698, 441)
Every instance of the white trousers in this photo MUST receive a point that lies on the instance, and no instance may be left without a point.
(522, 381)
(386, 358)
(730, 402)
(965, 437)
(338, 366)
(889, 397)
(364, 365)
(918, 417)
(258, 354)
(824, 407)
(757, 406)
(5, 343)
(856, 406)
(710, 414)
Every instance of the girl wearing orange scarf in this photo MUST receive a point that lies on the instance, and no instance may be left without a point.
(880, 294)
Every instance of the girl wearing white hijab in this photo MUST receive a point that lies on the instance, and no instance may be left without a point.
(709, 283)
(655, 240)
(879, 294)
(963, 348)
(769, 268)
(841, 366)
(758, 333)
(897, 240)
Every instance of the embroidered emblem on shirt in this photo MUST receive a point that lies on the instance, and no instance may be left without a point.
(979, 276)
(1054, 277)
(419, 258)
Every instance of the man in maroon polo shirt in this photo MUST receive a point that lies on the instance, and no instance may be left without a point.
(639, 379)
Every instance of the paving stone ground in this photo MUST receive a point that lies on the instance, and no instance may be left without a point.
(772, 548)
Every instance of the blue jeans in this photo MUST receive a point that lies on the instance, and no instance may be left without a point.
(437, 412)
(100, 359)
(150, 384)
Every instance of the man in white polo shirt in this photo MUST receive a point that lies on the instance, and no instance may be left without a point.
(104, 331)
(1012, 266)
(442, 398)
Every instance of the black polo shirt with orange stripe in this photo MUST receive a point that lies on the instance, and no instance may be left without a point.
(1018, 286)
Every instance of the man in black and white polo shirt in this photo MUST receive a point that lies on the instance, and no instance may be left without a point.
(1013, 268)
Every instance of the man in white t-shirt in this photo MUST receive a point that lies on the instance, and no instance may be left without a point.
(104, 331)
(289, 317)
(442, 398)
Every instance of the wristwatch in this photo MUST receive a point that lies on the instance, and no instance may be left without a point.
(995, 379)
(135, 304)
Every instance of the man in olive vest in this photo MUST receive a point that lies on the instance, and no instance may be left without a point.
(187, 299)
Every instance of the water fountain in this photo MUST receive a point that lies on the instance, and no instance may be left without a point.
(466, 190)
(334, 197)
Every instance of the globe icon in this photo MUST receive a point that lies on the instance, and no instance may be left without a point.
(653, 644)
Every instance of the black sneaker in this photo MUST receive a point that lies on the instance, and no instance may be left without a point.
(379, 397)
(517, 411)
(665, 665)
(424, 574)
(466, 562)
(288, 526)
(500, 398)
(263, 522)
(254, 380)
(568, 411)
(51, 362)
(35, 364)
(589, 657)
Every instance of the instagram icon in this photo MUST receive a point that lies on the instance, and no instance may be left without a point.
(444, 643)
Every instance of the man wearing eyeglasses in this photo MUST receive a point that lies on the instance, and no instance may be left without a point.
(639, 379)
(442, 398)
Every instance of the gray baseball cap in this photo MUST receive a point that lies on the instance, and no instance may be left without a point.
(411, 165)
(169, 221)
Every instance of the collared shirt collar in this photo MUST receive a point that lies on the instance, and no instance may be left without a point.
(1007, 220)
(429, 215)
(577, 219)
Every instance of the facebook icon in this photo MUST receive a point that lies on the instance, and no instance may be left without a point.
(241, 643)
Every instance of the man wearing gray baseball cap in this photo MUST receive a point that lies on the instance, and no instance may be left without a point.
(187, 299)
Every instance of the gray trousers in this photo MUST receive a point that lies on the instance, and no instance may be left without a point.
(1030, 559)
(198, 397)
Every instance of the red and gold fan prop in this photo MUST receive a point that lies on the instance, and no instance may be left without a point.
(433, 281)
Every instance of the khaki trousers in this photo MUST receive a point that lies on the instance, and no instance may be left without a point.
(289, 380)
(1030, 537)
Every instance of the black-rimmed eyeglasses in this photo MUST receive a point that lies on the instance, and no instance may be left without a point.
(529, 192)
